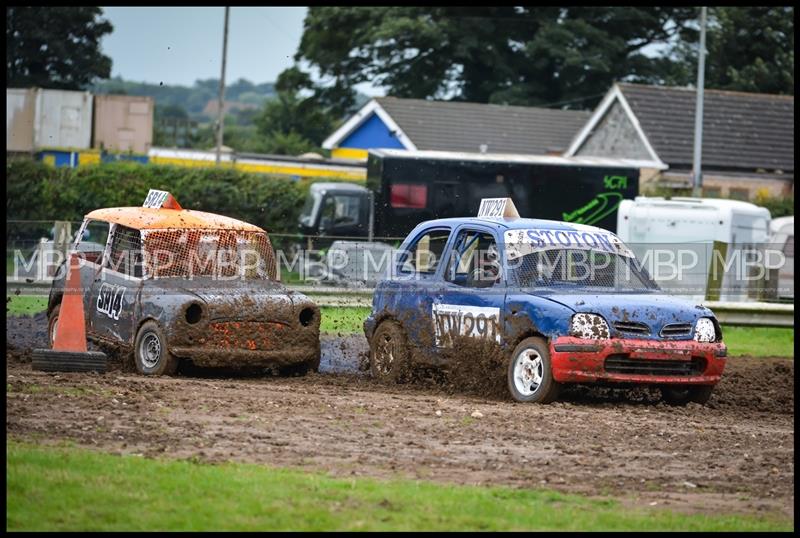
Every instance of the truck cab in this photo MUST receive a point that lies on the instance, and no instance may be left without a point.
(336, 210)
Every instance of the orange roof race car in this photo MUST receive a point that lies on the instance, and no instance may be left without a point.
(166, 283)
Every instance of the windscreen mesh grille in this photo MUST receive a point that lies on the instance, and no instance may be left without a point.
(208, 253)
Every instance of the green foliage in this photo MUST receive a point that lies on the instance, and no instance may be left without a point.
(173, 128)
(500, 54)
(291, 113)
(37, 192)
(245, 139)
(55, 47)
(750, 49)
(60, 488)
(293, 124)
(290, 125)
(779, 206)
(290, 143)
(193, 99)
(25, 181)
(542, 55)
(171, 111)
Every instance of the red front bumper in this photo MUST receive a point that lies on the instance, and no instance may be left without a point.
(575, 360)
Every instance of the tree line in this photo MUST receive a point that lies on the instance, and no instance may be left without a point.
(565, 57)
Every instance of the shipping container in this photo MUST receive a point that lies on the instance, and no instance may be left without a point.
(63, 119)
(20, 113)
(123, 123)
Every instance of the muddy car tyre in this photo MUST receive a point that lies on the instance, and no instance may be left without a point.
(530, 378)
(389, 355)
(150, 351)
(52, 324)
(680, 396)
(48, 360)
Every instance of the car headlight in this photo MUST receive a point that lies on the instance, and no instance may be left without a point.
(704, 330)
(589, 326)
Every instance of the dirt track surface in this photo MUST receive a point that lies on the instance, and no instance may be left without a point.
(736, 454)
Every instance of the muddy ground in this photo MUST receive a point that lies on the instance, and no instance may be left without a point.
(734, 455)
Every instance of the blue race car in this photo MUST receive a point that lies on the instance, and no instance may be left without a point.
(563, 302)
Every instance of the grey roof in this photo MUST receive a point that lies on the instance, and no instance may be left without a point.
(459, 126)
(741, 131)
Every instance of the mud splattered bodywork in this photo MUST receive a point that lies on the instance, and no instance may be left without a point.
(172, 270)
(609, 326)
(236, 325)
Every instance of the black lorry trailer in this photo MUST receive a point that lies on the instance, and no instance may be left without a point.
(405, 188)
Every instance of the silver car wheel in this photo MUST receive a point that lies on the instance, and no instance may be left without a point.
(528, 371)
(150, 350)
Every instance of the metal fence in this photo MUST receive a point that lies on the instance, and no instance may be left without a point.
(33, 247)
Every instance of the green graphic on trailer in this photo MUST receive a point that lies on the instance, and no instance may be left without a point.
(615, 182)
(600, 207)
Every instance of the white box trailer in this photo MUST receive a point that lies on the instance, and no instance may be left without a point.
(38, 118)
(782, 238)
(676, 240)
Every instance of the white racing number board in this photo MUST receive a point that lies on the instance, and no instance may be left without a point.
(497, 208)
(155, 199)
(109, 300)
(450, 320)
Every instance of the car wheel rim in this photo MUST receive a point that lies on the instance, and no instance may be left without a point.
(384, 354)
(150, 350)
(528, 372)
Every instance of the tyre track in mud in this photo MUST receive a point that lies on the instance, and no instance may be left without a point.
(736, 454)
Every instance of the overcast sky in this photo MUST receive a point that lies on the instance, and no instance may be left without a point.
(178, 45)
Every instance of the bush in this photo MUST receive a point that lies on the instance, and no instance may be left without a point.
(779, 206)
(38, 192)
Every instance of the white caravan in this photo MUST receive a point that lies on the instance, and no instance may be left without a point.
(676, 239)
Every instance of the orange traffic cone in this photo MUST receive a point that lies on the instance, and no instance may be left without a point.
(71, 330)
(69, 353)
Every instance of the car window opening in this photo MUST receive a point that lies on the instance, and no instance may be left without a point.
(208, 253)
(581, 268)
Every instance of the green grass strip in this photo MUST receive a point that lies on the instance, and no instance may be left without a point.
(18, 305)
(344, 319)
(61, 488)
(759, 341)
